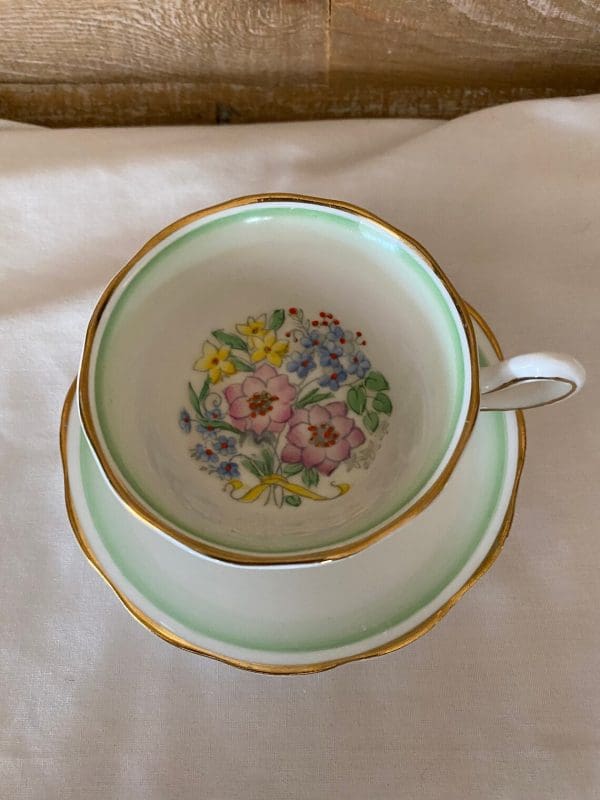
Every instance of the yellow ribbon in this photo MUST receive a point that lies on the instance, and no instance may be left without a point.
(276, 480)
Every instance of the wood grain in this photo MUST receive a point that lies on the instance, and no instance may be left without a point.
(91, 104)
(104, 41)
(126, 62)
(536, 43)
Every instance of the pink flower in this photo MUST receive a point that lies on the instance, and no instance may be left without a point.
(321, 437)
(262, 402)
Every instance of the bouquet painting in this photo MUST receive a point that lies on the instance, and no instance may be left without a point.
(286, 399)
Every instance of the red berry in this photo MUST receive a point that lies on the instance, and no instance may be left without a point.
(336, 322)
(358, 333)
(293, 310)
(322, 314)
(288, 334)
(324, 323)
(315, 322)
(342, 340)
(363, 342)
(333, 376)
(329, 316)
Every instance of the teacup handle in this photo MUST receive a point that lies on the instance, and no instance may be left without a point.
(528, 381)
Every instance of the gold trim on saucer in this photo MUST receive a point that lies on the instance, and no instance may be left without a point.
(328, 554)
(296, 669)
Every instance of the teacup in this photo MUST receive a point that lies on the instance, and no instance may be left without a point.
(286, 379)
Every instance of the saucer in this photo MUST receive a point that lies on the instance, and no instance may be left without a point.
(305, 618)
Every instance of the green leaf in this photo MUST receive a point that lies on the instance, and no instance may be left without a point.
(260, 465)
(313, 396)
(382, 403)
(276, 320)
(317, 398)
(293, 500)
(376, 382)
(268, 460)
(218, 424)
(292, 469)
(241, 366)
(307, 396)
(357, 398)
(310, 477)
(231, 340)
(194, 399)
(251, 466)
(203, 391)
(312, 392)
(371, 421)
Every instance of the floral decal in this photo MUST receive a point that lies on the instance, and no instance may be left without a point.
(286, 400)
(262, 402)
(321, 437)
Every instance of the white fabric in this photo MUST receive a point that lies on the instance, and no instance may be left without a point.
(500, 700)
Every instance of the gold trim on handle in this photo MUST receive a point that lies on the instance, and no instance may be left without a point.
(537, 379)
(297, 669)
(328, 554)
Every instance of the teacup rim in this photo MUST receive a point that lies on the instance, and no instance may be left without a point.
(333, 552)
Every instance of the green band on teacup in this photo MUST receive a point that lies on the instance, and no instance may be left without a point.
(356, 226)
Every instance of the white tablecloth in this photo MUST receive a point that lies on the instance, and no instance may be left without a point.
(501, 700)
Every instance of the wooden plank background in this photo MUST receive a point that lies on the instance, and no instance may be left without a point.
(124, 62)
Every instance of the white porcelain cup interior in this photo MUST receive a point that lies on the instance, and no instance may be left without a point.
(214, 273)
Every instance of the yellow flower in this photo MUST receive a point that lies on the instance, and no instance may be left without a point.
(254, 327)
(268, 347)
(215, 362)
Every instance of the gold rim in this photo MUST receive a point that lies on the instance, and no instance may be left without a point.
(299, 669)
(221, 554)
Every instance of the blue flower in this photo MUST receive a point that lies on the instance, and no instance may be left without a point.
(206, 429)
(336, 333)
(215, 413)
(329, 354)
(359, 364)
(228, 469)
(313, 339)
(225, 445)
(202, 453)
(333, 380)
(185, 421)
(302, 363)
(348, 341)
